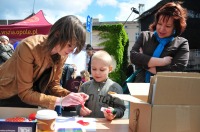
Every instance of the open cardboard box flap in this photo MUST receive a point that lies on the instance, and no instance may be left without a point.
(181, 74)
(176, 90)
(129, 98)
(138, 93)
(166, 89)
(139, 90)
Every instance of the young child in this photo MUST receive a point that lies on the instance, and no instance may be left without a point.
(85, 76)
(99, 89)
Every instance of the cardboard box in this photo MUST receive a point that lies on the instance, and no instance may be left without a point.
(180, 74)
(139, 90)
(173, 104)
(9, 112)
(176, 90)
(17, 126)
(164, 118)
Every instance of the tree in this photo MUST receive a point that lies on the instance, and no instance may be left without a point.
(116, 44)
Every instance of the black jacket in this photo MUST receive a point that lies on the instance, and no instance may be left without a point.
(178, 49)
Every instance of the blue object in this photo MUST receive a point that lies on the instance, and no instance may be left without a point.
(15, 44)
(69, 130)
(130, 79)
(58, 109)
(88, 24)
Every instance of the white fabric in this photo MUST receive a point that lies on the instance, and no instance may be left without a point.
(79, 60)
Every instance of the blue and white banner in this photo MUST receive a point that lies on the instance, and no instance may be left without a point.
(88, 24)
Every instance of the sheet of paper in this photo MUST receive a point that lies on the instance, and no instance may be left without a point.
(75, 124)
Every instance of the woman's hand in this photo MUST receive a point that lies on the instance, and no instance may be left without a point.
(109, 114)
(163, 62)
(84, 111)
(154, 61)
(167, 60)
(152, 70)
(72, 99)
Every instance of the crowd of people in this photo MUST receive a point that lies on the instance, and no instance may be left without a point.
(30, 76)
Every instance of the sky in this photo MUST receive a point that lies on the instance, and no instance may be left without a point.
(104, 10)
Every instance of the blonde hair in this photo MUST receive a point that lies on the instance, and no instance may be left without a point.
(4, 37)
(85, 74)
(105, 57)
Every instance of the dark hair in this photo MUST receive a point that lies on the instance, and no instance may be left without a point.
(89, 48)
(88, 45)
(64, 30)
(174, 10)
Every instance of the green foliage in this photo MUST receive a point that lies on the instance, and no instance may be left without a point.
(116, 44)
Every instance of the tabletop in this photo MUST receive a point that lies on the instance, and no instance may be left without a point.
(117, 125)
(103, 125)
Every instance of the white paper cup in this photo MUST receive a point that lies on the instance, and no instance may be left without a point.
(46, 120)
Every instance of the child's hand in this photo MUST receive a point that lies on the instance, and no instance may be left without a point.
(109, 113)
(84, 111)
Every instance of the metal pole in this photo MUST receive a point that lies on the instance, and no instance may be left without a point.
(133, 9)
(33, 6)
(91, 23)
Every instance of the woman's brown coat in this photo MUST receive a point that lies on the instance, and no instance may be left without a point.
(26, 65)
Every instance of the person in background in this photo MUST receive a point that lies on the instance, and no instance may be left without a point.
(85, 76)
(88, 45)
(99, 89)
(5, 40)
(161, 48)
(6, 49)
(90, 52)
(31, 77)
(69, 72)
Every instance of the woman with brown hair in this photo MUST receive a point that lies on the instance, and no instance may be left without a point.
(162, 48)
(31, 77)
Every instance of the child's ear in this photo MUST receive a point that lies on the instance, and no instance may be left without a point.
(110, 68)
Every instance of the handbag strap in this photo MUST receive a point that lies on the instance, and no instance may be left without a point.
(133, 75)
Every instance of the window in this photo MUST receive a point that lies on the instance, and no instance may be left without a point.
(197, 52)
(136, 36)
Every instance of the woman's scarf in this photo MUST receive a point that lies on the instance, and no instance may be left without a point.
(157, 52)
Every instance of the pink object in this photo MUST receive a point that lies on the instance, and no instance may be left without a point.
(36, 24)
(108, 110)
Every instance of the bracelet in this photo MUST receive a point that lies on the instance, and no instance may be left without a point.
(61, 100)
